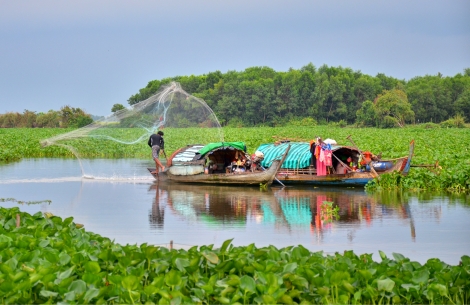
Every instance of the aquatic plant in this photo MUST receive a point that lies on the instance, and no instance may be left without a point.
(327, 212)
(448, 146)
(50, 260)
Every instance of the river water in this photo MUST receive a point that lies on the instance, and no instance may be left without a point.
(127, 205)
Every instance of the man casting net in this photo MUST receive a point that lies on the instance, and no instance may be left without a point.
(127, 130)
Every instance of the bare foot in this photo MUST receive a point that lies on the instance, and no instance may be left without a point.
(154, 173)
(163, 168)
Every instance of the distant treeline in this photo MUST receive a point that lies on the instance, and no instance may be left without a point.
(260, 96)
(64, 118)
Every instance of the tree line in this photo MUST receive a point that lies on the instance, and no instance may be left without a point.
(260, 96)
(64, 118)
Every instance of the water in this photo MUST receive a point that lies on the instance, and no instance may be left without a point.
(130, 207)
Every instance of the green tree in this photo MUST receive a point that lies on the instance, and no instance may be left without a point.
(392, 107)
(50, 119)
(74, 117)
(366, 115)
(463, 103)
(117, 107)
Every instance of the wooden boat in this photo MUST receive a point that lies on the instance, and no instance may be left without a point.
(224, 163)
(296, 169)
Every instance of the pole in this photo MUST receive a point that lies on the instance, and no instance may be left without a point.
(371, 167)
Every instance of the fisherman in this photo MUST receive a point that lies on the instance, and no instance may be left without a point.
(157, 143)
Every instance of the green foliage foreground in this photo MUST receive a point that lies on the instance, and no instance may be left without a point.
(50, 260)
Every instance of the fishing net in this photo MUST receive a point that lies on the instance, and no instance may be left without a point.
(170, 108)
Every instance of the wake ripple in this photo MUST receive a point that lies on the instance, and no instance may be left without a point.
(84, 178)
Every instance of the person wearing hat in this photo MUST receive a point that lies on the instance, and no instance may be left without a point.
(157, 143)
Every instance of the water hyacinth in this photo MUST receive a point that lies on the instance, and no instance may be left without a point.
(447, 146)
(52, 260)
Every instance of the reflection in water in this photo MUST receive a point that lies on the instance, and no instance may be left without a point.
(157, 214)
(287, 209)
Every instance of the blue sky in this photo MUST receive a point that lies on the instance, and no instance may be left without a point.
(93, 54)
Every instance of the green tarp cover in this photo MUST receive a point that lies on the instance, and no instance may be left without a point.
(215, 145)
(298, 157)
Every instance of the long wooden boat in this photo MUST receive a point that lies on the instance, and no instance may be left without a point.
(216, 163)
(296, 169)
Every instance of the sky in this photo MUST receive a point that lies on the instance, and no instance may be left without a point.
(94, 54)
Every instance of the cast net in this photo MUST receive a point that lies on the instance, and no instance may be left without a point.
(124, 134)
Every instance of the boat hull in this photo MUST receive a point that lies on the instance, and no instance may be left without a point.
(308, 176)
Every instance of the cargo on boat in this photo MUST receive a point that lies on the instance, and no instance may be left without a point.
(339, 166)
(224, 163)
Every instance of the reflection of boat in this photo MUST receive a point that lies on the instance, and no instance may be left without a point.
(223, 163)
(284, 210)
(296, 168)
(215, 205)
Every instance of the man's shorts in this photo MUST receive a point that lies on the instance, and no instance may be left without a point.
(155, 151)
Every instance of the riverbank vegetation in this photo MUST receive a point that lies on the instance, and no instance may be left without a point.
(66, 117)
(446, 146)
(47, 259)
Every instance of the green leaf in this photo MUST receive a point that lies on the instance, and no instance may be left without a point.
(420, 277)
(64, 258)
(78, 286)
(348, 287)
(181, 263)
(48, 294)
(290, 268)
(247, 283)
(385, 285)
(130, 282)
(92, 267)
(91, 293)
(225, 245)
(173, 278)
(211, 257)
(70, 296)
(382, 255)
(44, 243)
(407, 287)
(67, 221)
(66, 273)
(398, 257)
(337, 277)
(150, 290)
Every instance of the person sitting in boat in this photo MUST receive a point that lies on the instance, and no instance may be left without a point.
(238, 165)
(367, 158)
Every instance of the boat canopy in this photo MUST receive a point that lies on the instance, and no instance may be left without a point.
(216, 145)
(299, 154)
